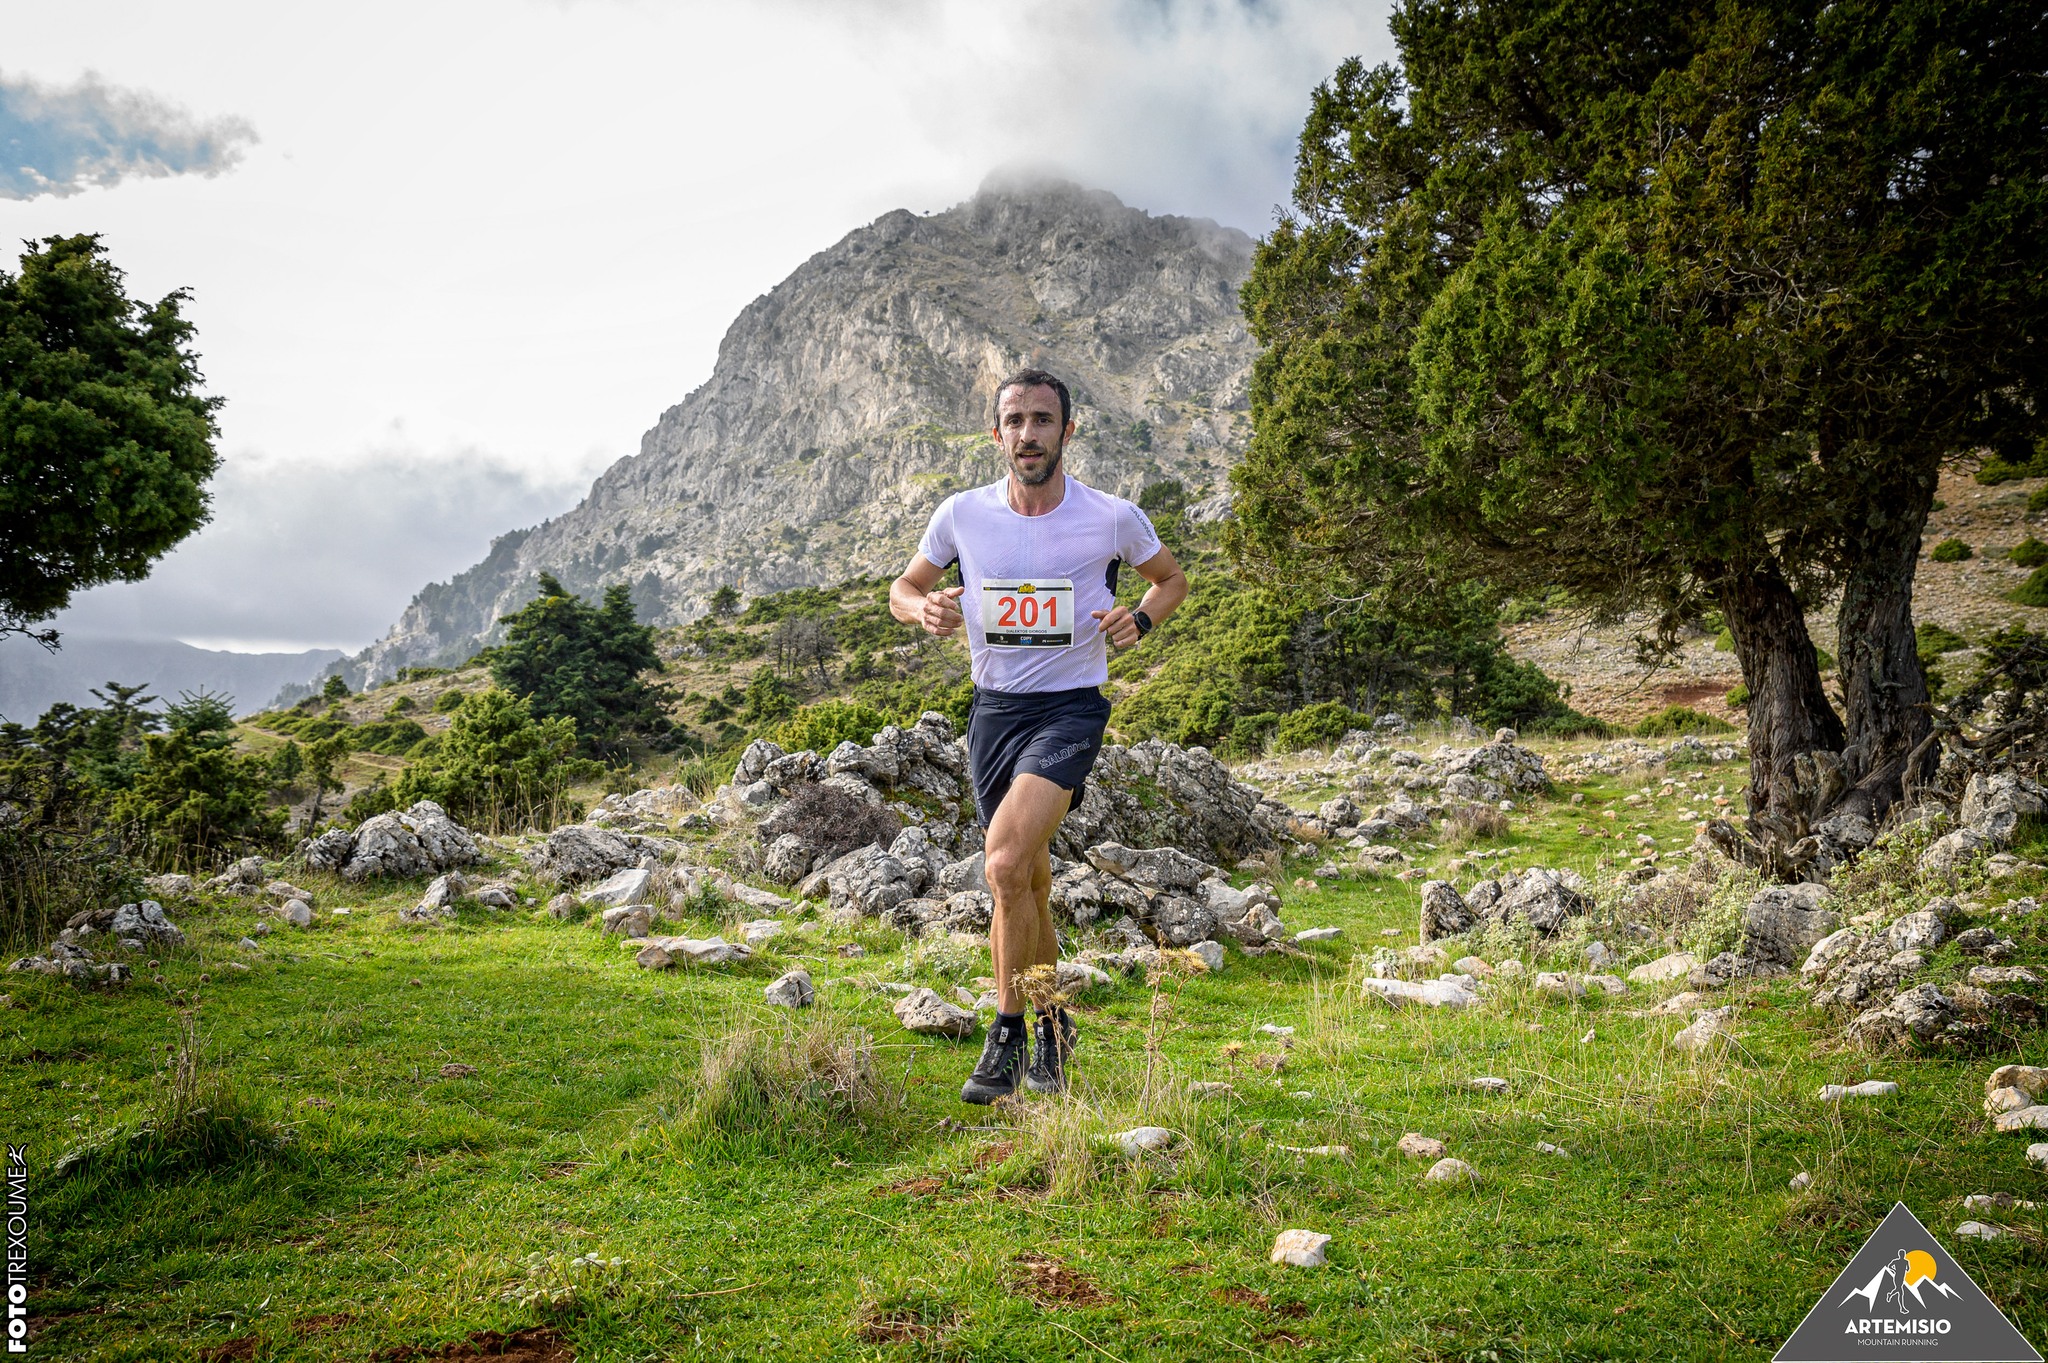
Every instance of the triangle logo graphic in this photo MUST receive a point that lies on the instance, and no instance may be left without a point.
(1903, 1296)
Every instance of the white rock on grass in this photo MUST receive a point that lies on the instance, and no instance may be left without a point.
(1979, 1230)
(1488, 1083)
(1800, 1181)
(1074, 977)
(1708, 1026)
(925, 1013)
(2037, 1153)
(793, 990)
(298, 913)
(1453, 1171)
(2026, 1119)
(1546, 1148)
(1556, 982)
(1320, 1151)
(1984, 1202)
(2031, 1080)
(703, 950)
(1317, 935)
(2006, 1100)
(630, 920)
(760, 930)
(1606, 984)
(1472, 965)
(1415, 1145)
(654, 958)
(1300, 1248)
(1274, 1029)
(622, 887)
(1211, 1088)
(1869, 1088)
(1664, 969)
(1142, 1139)
(1210, 954)
(1429, 993)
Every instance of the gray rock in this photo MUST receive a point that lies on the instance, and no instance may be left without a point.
(1917, 1015)
(146, 920)
(576, 853)
(1444, 913)
(1295, 1248)
(630, 886)
(1453, 1171)
(1307, 935)
(1708, 1029)
(925, 1013)
(445, 890)
(1951, 852)
(1994, 805)
(170, 886)
(1545, 899)
(788, 859)
(1869, 1088)
(1427, 993)
(1210, 954)
(1140, 1140)
(1922, 930)
(626, 920)
(1664, 969)
(755, 761)
(1157, 869)
(298, 913)
(704, 950)
(1783, 922)
(793, 990)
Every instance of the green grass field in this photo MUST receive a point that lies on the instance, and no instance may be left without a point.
(583, 1178)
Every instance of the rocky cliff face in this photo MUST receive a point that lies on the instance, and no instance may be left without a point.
(847, 402)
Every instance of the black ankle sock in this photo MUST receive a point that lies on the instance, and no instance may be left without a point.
(1010, 1019)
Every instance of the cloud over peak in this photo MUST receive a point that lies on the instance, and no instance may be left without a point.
(63, 140)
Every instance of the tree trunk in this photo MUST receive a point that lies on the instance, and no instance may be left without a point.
(1883, 685)
(1793, 731)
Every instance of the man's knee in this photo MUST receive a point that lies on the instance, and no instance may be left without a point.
(1010, 870)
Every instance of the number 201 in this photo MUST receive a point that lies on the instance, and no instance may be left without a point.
(1014, 613)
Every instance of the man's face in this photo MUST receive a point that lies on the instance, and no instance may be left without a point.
(1028, 430)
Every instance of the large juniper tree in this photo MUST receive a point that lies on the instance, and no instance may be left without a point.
(105, 441)
(1674, 306)
(584, 663)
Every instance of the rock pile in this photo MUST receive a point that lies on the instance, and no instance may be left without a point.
(579, 852)
(1153, 794)
(1544, 899)
(134, 927)
(421, 841)
(1868, 968)
(1991, 812)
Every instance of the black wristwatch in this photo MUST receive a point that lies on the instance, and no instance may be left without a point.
(1143, 622)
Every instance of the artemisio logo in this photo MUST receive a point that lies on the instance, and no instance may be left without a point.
(1903, 1296)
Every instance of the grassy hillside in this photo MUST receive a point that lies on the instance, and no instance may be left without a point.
(504, 1125)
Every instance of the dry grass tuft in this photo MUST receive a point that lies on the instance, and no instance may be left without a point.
(809, 1083)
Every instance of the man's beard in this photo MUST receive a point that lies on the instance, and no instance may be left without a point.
(1053, 458)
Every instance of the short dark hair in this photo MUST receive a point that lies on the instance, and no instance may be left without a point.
(1035, 378)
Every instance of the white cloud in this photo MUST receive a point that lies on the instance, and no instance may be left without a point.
(323, 555)
(62, 140)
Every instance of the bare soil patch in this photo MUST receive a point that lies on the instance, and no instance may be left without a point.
(535, 1344)
(1049, 1282)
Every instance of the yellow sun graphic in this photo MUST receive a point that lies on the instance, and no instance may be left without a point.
(1919, 1266)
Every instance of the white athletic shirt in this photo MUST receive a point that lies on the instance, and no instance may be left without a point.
(1076, 541)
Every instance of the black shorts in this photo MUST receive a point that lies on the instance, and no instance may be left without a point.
(1054, 734)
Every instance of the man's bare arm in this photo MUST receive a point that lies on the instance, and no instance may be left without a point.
(912, 600)
(1169, 587)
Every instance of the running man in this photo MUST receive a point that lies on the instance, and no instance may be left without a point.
(1038, 554)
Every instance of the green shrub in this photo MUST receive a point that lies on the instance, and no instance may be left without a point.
(2037, 501)
(808, 1085)
(1951, 551)
(1932, 640)
(498, 767)
(1998, 469)
(1673, 720)
(1316, 726)
(1247, 736)
(1724, 642)
(1570, 724)
(336, 688)
(575, 661)
(822, 727)
(402, 705)
(447, 701)
(2034, 591)
(1738, 695)
(2028, 553)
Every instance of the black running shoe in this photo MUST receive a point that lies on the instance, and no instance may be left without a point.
(1056, 1034)
(1003, 1058)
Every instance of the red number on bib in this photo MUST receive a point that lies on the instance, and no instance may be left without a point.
(1052, 612)
(1008, 618)
(1029, 612)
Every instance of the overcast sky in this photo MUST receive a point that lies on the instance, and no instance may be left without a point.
(448, 260)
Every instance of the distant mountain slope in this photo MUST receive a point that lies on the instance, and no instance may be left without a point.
(32, 680)
(856, 394)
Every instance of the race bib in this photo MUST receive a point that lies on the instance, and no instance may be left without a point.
(1034, 613)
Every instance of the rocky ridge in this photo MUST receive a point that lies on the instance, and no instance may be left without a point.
(852, 397)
